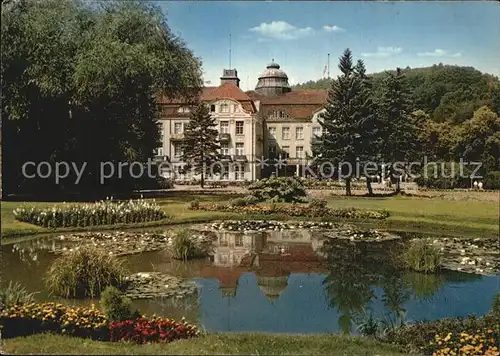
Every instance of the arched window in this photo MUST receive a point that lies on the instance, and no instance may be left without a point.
(224, 107)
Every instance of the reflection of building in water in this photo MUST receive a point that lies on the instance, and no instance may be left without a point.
(272, 255)
(231, 247)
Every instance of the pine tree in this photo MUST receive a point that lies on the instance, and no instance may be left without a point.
(347, 115)
(400, 129)
(201, 141)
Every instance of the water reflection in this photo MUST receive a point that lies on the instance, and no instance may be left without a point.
(286, 281)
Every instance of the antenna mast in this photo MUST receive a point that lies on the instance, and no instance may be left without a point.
(229, 50)
(328, 66)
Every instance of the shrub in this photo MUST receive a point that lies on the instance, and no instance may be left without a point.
(492, 180)
(238, 202)
(84, 272)
(278, 190)
(101, 213)
(422, 257)
(21, 320)
(142, 330)
(165, 183)
(15, 294)
(117, 306)
(318, 204)
(251, 200)
(185, 246)
(194, 204)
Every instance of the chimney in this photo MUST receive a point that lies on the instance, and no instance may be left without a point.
(230, 76)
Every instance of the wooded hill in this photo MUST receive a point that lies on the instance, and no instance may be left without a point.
(446, 93)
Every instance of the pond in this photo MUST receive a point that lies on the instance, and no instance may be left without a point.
(285, 281)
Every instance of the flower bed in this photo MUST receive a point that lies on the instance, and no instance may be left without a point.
(297, 210)
(156, 329)
(100, 213)
(22, 320)
(482, 342)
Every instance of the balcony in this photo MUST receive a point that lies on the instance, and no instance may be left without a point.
(240, 158)
(226, 158)
(224, 137)
(177, 137)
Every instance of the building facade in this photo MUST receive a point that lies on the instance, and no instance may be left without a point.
(256, 128)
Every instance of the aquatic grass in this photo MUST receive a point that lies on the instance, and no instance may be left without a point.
(84, 272)
(15, 294)
(419, 256)
(184, 246)
(106, 212)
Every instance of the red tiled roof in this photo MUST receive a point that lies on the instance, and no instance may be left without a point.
(301, 111)
(296, 97)
(226, 91)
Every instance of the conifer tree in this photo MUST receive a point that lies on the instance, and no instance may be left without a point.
(201, 141)
(347, 115)
(399, 128)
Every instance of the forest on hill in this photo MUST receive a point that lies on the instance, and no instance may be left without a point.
(444, 92)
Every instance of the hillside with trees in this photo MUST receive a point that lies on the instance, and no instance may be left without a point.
(446, 93)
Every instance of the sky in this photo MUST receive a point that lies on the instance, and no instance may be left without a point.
(298, 35)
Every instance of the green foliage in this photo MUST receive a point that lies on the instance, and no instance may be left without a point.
(15, 293)
(201, 141)
(185, 246)
(84, 272)
(238, 202)
(419, 256)
(116, 305)
(492, 180)
(71, 71)
(367, 325)
(278, 190)
(444, 175)
(101, 213)
(495, 306)
(165, 183)
(194, 204)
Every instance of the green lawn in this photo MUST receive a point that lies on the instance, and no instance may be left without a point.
(459, 217)
(245, 344)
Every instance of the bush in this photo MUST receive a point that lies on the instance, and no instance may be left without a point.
(492, 180)
(15, 294)
(251, 200)
(142, 330)
(21, 320)
(117, 306)
(440, 177)
(185, 246)
(84, 272)
(318, 204)
(278, 190)
(194, 204)
(165, 183)
(238, 202)
(422, 257)
(94, 214)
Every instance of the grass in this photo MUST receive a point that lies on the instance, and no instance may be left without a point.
(421, 257)
(455, 214)
(235, 344)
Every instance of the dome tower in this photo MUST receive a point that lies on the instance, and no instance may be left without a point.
(273, 81)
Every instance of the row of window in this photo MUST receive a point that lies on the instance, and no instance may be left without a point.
(285, 151)
(224, 127)
(299, 132)
(224, 149)
(225, 108)
(239, 173)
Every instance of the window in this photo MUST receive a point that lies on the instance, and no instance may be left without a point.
(159, 151)
(239, 127)
(178, 150)
(224, 108)
(272, 151)
(224, 148)
(238, 240)
(225, 173)
(299, 150)
(178, 128)
(161, 134)
(285, 152)
(224, 127)
(285, 133)
(235, 108)
(183, 110)
(238, 172)
(299, 133)
(272, 132)
(212, 108)
(316, 131)
(240, 149)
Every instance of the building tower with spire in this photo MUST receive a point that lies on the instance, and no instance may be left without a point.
(273, 81)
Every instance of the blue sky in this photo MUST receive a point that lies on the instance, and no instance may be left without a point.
(299, 35)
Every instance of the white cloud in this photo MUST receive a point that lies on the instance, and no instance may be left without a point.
(438, 52)
(383, 52)
(333, 28)
(281, 30)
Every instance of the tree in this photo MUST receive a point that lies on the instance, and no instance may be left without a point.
(201, 141)
(400, 130)
(343, 122)
(78, 87)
